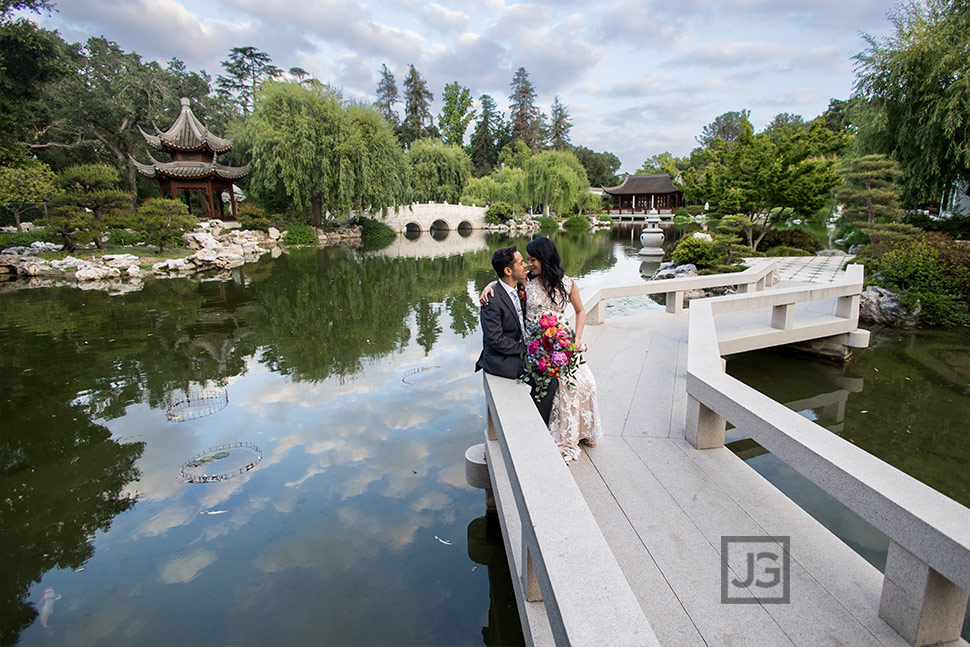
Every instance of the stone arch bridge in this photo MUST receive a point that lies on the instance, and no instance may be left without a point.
(418, 218)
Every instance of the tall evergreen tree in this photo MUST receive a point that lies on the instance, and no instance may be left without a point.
(456, 113)
(387, 96)
(870, 188)
(245, 69)
(484, 138)
(559, 126)
(728, 126)
(523, 114)
(417, 106)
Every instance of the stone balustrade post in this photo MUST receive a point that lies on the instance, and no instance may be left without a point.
(924, 607)
(783, 316)
(705, 429)
(675, 302)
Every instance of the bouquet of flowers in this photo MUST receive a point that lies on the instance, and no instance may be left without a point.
(551, 353)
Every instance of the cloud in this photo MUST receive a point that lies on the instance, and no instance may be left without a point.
(185, 568)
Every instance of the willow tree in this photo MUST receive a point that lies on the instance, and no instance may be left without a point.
(372, 164)
(439, 171)
(294, 137)
(918, 82)
(555, 181)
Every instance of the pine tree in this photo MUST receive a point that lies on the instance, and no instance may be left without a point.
(484, 138)
(559, 127)
(387, 96)
(245, 69)
(417, 102)
(523, 113)
(870, 188)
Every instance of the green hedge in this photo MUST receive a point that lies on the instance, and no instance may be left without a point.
(576, 223)
(375, 234)
(498, 213)
(300, 234)
(784, 250)
(698, 251)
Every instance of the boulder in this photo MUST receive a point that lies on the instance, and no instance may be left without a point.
(33, 266)
(881, 306)
(94, 272)
(830, 252)
(703, 236)
(46, 247)
(671, 271)
(69, 263)
(199, 240)
(121, 261)
(274, 233)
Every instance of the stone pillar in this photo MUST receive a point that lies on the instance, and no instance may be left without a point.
(476, 475)
(705, 429)
(924, 607)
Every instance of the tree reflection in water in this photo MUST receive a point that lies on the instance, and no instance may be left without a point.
(74, 360)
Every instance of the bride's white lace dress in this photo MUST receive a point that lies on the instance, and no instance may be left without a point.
(575, 411)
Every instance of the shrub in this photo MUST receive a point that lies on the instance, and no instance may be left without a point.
(576, 224)
(790, 238)
(682, 211)
(730, 269)
(697, 251)
(694, 209)
(956, 226)
(498, 213)
(784, 250)
(604, 218)
(125, 237)
(375, 234)
(25, 238)
(929, 269)
(163, 222)
(300, 234)
(548, 224)
(252, 216)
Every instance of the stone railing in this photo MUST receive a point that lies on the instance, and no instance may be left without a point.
(924, 594)
(753, 279)
(569, 587)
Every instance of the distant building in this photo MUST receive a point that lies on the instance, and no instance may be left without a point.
(192, 168)
(641, 193)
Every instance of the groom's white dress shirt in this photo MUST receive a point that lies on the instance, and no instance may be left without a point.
(514, 295)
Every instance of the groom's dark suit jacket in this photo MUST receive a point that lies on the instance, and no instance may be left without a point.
(501, 337)
(503, 346)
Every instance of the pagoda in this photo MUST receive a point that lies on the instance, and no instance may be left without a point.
(193, 166)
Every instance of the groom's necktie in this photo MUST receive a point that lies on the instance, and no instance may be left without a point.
(518, 310)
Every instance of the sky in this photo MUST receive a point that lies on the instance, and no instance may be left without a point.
(638, 77)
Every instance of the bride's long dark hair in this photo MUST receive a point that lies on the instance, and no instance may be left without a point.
(551, 274)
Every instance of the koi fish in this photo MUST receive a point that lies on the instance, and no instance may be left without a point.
(47, 605)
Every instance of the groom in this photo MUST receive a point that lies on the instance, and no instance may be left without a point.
(503, 326)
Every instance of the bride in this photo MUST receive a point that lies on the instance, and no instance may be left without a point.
(575, 413)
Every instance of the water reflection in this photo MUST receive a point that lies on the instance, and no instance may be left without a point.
(487, 548)
(360, 470)
(927, 369)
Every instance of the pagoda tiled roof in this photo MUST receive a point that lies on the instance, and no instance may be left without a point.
(643, 184)
(189, 169)
(186, 134)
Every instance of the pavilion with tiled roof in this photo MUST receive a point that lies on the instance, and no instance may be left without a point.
(192, 167)
(641, 193)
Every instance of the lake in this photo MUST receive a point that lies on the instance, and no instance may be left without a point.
(277, 457)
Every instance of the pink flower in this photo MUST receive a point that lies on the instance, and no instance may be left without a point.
(541, 366)
(559, 358)
(533, 346)
(548, 321)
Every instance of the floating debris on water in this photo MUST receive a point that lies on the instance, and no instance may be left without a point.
(80, 569)
(443, 541)
(229, 459)
(196, 402)
(213, 511)
(414, 371)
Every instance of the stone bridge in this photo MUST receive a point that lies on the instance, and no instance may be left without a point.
(418, 218)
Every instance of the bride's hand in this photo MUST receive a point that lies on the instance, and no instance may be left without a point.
(486, 294)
